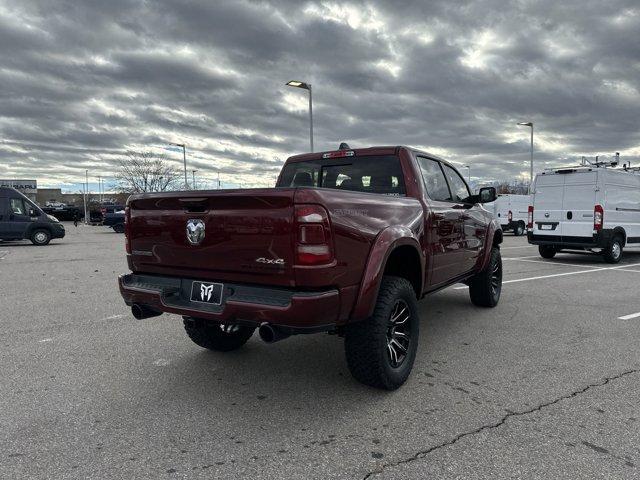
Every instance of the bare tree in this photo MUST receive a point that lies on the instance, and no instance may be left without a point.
(146, 172)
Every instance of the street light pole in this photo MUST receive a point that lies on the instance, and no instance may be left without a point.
(305, 86)
(529, 124)
(310, 119)
(469, 173)
(184, 157)
(86, 198)
(193, 174)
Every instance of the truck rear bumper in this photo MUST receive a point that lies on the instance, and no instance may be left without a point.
(300, 310)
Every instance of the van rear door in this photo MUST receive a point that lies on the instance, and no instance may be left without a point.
(547, 207)
(577, 204)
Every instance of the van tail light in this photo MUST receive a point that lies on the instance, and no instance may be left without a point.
(530, 217)
(313, 235)
(510, 216)
(598, 217)
(127, 229)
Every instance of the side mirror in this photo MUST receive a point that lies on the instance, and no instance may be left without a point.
(487, 195)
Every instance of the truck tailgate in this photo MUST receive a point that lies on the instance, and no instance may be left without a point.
(247, 233)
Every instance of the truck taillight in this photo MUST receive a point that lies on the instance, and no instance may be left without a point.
(530, 217)
(510, 216)
(127, 228)
(313, 241)
(598, 217)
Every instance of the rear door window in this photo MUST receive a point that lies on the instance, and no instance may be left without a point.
(372, 174)
(459, 189)
(434, 180)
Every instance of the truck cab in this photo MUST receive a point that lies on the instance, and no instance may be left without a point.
(21, 219)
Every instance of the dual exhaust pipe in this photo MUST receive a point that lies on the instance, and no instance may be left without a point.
(268, 333)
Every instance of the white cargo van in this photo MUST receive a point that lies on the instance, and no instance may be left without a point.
(511, 211)
(592, 208)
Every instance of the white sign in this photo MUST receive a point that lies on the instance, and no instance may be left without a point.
(25, 186)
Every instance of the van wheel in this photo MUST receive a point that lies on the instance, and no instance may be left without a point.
(40, 237)
(613, 252)
(547, 251)
(519, 230)
(216, 336)
(381, 350)
(485, 287)
(119, 228)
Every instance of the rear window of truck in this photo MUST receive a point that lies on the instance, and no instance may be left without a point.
(371, 174)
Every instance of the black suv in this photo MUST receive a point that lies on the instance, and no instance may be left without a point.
(21, 219)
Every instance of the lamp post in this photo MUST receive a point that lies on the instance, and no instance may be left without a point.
(305, 86)
(529, 124)
(468, 173)
(184, 157)
(86, 196)
(193, 175)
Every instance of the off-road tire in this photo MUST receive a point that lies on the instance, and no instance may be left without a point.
(118, 228)
(613, 251)
(215, 336)
(519, 229)
(486, 286)
(40, 237)
(547, 251)
(367, 343)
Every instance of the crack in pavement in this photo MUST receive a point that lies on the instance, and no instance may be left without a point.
(423, 453)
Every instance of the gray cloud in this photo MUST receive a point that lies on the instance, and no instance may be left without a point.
(82, 82)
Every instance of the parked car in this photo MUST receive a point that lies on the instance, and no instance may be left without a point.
(20, 219)
(346, 243)
(511, 211)
(64, 212)
(115, 221)
(585, 208)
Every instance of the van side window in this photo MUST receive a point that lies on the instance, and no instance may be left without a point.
(459, 189)
(434, 180)
(17, 206)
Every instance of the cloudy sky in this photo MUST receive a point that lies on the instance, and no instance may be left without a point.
(81, 82)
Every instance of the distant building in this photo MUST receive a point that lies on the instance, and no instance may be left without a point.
(54, 196)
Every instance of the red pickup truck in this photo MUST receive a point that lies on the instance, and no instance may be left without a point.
(346, 243)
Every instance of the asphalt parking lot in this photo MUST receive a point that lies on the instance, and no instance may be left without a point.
(545, 385)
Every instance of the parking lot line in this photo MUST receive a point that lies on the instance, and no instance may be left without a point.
(517, 280)
(523, 246)
(527, 259)
(630, 316)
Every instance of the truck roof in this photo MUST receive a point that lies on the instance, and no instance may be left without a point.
(375, 150)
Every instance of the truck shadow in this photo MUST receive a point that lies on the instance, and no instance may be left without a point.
(307, 371)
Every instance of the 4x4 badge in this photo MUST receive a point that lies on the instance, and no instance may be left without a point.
(195, 231)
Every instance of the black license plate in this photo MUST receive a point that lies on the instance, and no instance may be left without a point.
(203, 292)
